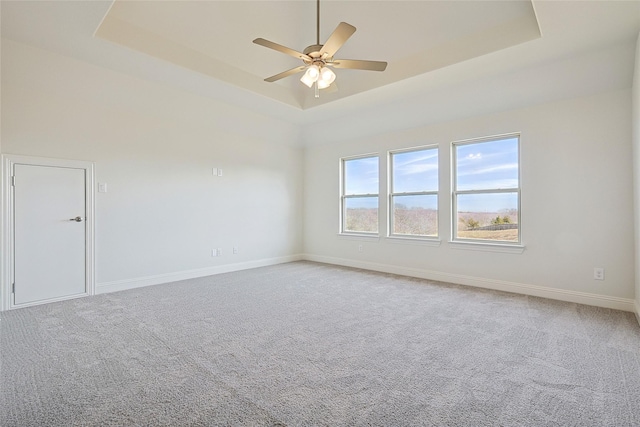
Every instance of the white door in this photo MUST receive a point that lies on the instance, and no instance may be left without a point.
(49, 233)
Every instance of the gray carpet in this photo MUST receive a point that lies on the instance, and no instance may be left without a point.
(305, 344)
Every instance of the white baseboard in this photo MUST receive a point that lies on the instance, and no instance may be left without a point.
(616, 303)
(624, 304)
(122, 285)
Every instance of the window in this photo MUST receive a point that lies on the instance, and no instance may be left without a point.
(486, 190)
(360, 195)
(413, 206)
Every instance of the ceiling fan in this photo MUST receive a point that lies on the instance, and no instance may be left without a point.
(318, 58)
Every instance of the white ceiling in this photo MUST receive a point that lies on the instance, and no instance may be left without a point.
(446, 59)
(215, 38)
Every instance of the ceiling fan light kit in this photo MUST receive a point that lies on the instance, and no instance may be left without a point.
(327, 76)
(311, 75)
(322, 77)
(318, 58)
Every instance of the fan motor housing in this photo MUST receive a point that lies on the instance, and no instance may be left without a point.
(313, 49)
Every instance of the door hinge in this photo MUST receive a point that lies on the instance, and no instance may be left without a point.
(13, 288)
(13, 180)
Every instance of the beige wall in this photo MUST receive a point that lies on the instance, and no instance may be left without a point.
(155, 147)
(577, 209)
(636, 168)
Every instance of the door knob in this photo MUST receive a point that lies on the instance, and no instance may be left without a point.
(77, 219)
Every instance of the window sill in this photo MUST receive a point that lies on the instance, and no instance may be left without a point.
(424, 241)
(356, 236)
(488, 247)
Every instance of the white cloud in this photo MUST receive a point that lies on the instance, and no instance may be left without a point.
(497, 168)
(416, 169)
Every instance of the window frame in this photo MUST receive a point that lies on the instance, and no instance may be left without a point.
(344, 197)
(392, 194)
(455, 192)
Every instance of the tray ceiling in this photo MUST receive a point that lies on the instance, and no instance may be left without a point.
(414, 37)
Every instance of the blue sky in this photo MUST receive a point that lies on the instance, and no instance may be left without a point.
(361, 176)
(484, 165)
(487, 202)
(487, 165)
(415, 171)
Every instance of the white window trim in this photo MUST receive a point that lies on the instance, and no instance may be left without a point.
(390, 216)
(403, 239)
(483, 244)
(361, 237)
(343, 197)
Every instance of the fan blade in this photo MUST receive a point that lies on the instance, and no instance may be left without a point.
(284, 74)
(355, 64)
(335, 41)
(283, 49)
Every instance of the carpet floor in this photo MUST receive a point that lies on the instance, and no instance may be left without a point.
(307, 344)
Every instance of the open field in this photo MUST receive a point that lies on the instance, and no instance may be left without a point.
(424, 222)
(417, 221)
(483, 219)
(503, 235)
(362, 220)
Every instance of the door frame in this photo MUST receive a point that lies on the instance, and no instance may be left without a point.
(7, 237)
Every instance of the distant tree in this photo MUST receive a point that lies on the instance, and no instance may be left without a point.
(472, 223)
(506, 220)
(497, 220)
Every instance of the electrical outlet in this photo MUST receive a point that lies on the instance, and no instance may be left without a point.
(359, 248)
(598, 273)
(235, 250)
(219, 251)
(214, 252)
